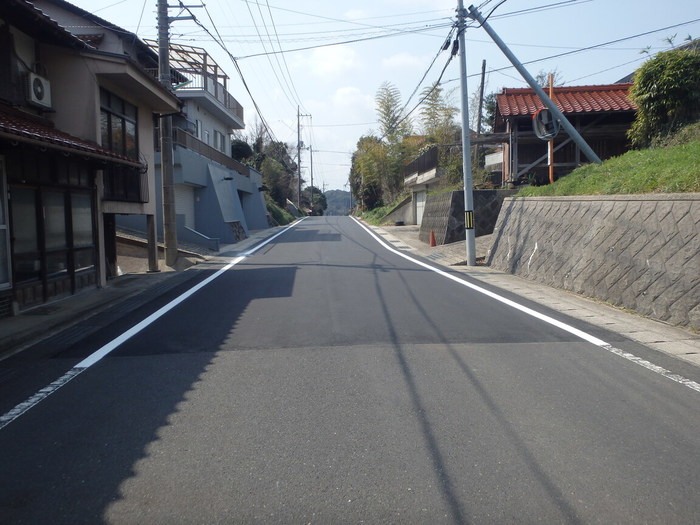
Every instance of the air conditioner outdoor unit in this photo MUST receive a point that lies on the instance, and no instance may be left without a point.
(38, 90)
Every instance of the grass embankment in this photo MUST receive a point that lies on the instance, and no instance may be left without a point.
(673, 167)
(376, 215)
(280, 215)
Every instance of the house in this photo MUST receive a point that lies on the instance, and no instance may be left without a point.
(76, 148)
(218, 200)
(426, 173)
(602, 114)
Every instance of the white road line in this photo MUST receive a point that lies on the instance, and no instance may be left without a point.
(550, 320)
(96, 356)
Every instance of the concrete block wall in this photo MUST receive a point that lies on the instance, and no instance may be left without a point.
(640, 252)
(444, 214)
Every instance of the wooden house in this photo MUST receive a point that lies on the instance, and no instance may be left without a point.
(602, 114)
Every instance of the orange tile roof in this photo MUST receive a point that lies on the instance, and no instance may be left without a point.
(17, 125)
(569, 99)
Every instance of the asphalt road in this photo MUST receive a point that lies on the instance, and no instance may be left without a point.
(325, 379)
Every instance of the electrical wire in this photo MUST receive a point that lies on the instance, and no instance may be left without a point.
(420, 83)
(321, 16)
(353, 41)
(582, 49)
(267, 55)
(267, 128)
(284, 60)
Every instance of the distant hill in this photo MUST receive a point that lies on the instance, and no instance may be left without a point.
(338, 202)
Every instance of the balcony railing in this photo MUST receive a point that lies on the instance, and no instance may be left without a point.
(199, 82)
(192, 143)
(424, 163)
(214, 88)
(125, 184)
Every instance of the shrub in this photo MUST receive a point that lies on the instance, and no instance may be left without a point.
(666, 91)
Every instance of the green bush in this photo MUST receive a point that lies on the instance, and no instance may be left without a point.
(279, 215)
(666, 91)
(672, 169)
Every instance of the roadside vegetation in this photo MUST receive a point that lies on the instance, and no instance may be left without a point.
(666, 132)
(671, 168)
(278, 214)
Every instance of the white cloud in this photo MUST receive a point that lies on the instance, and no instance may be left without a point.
(404, 60)
(352, 97)
(355, 14)
(330, 61)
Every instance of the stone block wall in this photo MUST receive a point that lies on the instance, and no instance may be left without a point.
(640, 252)
(442, 217)
(444, 214)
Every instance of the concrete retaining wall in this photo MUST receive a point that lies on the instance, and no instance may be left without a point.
(444, 214)
(403, 213)
(640, 252)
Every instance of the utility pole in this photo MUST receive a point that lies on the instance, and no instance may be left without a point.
(166, 139)
(166, 135)
(300, 145)
(311, 163)
(481, 98)
(466, 141)
(550, 142)
(557, 114)
(477, 149)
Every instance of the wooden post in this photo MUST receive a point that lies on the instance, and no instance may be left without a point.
(550, 142)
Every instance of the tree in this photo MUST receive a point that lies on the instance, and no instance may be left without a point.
(314, 200)
(489, 112)
(392, 123)
(367, 166)
(240, 150)
(666, 90)
(542, 78)
(437, 115)
(279, 180)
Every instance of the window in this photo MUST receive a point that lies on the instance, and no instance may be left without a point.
(24, 220)
(219, 141)
(118, 122)
(198, 129)
(4, 232)
(83, 242)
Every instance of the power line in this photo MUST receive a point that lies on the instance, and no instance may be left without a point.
(353, 41)
(587, 48)
(442, 48)
(235, 63)
(320, 16)
(267, 55)
(284, 60)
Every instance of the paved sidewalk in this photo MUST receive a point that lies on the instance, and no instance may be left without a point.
(33, 325)
(671, 340)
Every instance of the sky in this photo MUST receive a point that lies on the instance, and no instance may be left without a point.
(330, 58)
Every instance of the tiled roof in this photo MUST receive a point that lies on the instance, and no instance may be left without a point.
(93, 40)
(569, 99)
(26, 16)
(29, 129)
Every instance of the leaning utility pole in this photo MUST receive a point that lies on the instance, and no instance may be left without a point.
(557, 114)
(466, 141)
(166, 139)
